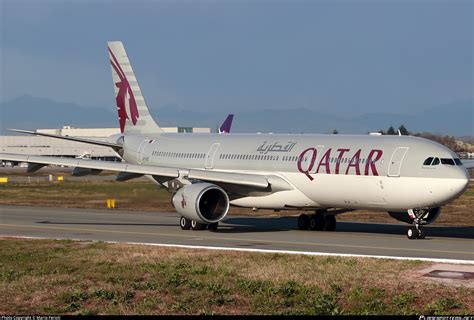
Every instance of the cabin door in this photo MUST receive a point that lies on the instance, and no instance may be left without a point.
(141, 150)
(396, 161)
(210, 155)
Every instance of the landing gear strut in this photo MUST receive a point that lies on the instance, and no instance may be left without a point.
(417, 231)
(319, 221)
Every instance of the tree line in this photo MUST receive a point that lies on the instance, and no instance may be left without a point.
(446, 140)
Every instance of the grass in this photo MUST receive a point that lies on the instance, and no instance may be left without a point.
(71, 277)
(131, 195)
(144, 195)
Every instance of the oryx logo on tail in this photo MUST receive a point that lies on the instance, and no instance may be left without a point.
(126, 104)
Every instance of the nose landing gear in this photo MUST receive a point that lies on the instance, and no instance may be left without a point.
(417, 231)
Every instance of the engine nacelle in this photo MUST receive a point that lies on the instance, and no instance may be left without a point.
(202, 202)
(408, 217)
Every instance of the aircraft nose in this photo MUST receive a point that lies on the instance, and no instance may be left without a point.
(459, 185)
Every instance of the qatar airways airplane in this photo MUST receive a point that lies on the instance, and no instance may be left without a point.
(409, 177)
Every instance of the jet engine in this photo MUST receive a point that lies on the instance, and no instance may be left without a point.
(202, 202)
(408, 216)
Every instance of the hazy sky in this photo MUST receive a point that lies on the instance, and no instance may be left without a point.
(343, 57)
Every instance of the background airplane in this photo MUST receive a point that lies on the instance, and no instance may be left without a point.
(227, 124)
(409, 177)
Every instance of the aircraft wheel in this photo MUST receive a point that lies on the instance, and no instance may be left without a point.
(213, 226)
(421, 233)
(184, 223)
(412, 233)
(197, 225)
(330, 222)
(303, 222)
(316, 222)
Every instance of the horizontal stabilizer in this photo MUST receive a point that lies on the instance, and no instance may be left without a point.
(93, 164)
(76, 139)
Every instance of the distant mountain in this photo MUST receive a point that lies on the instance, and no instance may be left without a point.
(452, 119)
(27, 112)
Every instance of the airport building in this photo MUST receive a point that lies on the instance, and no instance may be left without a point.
(44, 146)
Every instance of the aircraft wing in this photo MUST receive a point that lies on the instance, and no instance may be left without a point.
(253, 181)
(76, 139)
(92, 164)
(469, 164)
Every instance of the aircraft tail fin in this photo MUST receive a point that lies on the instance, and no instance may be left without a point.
(225, 127)
(133, 112)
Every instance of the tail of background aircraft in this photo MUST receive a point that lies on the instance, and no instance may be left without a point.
(225, 127)
(133, 112)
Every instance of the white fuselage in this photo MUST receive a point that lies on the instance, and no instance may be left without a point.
(325, 171)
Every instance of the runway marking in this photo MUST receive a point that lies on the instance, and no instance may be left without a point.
(307, 253)
(236, 239)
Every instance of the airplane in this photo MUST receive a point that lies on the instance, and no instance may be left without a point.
(409, 177)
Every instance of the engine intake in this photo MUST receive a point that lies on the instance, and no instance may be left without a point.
(202, 202)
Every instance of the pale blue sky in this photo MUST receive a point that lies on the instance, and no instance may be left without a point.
(343, 57)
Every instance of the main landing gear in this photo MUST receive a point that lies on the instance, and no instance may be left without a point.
(417, 231)
(319, 221)
(187, 224)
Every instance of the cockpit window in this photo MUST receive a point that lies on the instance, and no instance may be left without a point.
(428, 161)
(432, 161)
(447, 161)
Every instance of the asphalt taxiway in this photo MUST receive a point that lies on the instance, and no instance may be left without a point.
(238, 232)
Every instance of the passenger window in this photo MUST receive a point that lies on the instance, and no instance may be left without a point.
(428, 161)
(435, 162)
